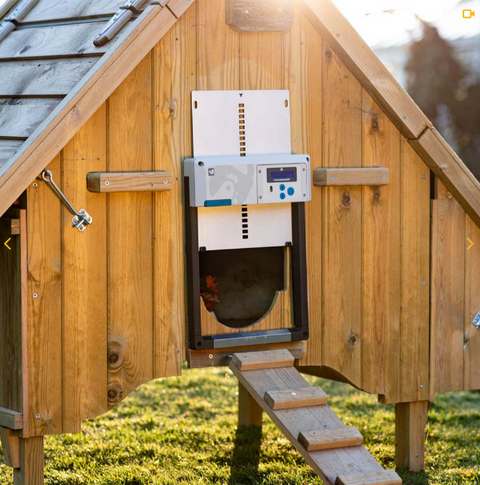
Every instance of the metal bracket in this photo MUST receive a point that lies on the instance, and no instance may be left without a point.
(81, 219)
(476, 321)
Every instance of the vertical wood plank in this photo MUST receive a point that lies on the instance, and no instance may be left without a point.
(130, 273)
(471, 378)
(381, 257)
(44, 296)
(249, 412)
(85, 280)
(12, 300)
(449, 287)
(31, 462)
(342, 218)
(303, 77)
(217, 48)
(174, 77)
(410, 422)
(415, 278)
(261, 60)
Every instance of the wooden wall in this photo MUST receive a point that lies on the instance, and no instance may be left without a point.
(455, 341)
(109, 313)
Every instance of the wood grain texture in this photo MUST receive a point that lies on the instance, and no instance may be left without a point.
(328, 464)
(330, 439)
(415, 276)
(109, 182)
(449, 286)
(8, 148)
(385, 477)
(381, 262)
(10, 447)
(296, 398)
(269, 359)
(259, 16)
(61, 9)
(249, 412)
(135, 41)
(59, 41)
(366, 66)
(10, 419)
(84, 255)
(130, 236)
(342, 219)
(51, 77)
(20, 117)
(174, 77)
(451, 171)
(337, 177)
(303, 66)
(471, 367)
(410, 421)
(44, 296)
(30, 471)
(218, 48)
(12, 318)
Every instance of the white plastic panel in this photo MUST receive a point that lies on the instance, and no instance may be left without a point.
(222, 227)
(217, 122)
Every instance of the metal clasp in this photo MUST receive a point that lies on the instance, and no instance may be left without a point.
(81, 219)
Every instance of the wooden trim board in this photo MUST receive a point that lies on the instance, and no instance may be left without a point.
(339, 177)
(11, 419)
(107, 182)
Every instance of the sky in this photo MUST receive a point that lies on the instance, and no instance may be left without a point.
(392, 22)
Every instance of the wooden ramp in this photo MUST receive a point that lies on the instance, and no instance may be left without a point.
(333, 450)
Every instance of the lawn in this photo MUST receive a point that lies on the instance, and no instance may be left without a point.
(183, 431)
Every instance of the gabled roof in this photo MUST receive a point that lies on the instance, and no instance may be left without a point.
(54, 79)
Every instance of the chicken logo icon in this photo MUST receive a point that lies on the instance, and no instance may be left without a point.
(468, 14)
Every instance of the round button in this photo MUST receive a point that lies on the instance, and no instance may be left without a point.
(282, 187)
(282, 195)
(291, 191)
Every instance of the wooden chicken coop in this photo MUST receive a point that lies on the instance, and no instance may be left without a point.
(342, 241)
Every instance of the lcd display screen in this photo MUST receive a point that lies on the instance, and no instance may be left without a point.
(277, 175)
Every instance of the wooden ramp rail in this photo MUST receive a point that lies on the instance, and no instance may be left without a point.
(333, 450)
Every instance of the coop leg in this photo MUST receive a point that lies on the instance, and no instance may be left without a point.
(30, 471)
(410, 422)
(11, 447)
(249, 412)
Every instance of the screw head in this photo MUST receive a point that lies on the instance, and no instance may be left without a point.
(417, 453)
(107, 182)
(210, 356)
(260, 197)
(37, 416)
(383, 175)
(35, 185)
(424, 176)
(35, 295)
(424, 283)
(333, 177)
(165, 181)
(421, 386)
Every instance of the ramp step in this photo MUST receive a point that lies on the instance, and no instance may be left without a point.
(384, 477)
(270, 359)
(329, 439)
(296, 398)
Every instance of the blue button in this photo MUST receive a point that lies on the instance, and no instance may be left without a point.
(291, 191)
(282, 187)
(282, 195)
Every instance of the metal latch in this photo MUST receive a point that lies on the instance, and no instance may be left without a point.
(81, 219)
(476, 321)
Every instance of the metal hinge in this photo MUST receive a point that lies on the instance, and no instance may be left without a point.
(11, 22)
(81, 219)
(118, 21)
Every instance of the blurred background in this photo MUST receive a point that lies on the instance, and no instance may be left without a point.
(434, 53)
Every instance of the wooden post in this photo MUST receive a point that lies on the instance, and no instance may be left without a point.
(30, 471)
(249, 412)
(410, 421)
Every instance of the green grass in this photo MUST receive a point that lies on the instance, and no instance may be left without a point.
(183, 431)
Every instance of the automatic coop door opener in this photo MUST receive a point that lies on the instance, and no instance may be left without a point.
(244, 189)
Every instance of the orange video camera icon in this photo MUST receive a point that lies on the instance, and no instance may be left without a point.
(468, 14)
